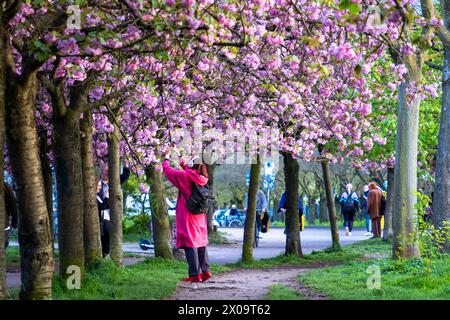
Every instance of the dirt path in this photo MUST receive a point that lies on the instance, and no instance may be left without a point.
(245, 284)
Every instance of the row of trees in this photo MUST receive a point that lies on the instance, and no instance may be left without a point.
(83, 87)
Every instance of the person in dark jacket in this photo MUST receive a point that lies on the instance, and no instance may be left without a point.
(349, 206)
(365, 212)
(282, 208)
(11, 211)
(104, 208)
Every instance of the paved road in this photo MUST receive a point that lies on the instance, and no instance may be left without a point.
(271, 245)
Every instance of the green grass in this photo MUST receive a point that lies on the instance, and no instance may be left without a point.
(12, 256)
(154, 278)
(347, 254)
(281, 292)
(399, 280)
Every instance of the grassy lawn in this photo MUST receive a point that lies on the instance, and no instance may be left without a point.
(347, 254)
(154, 278)
(132, 237)
(399, 280)
(13, 256)
(280, 292)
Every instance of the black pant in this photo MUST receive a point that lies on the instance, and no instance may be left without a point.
(349, 217)
(197, 259)
(105, 225)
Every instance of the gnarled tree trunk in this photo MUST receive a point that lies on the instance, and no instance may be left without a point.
(91, 223)
(69, 178)
(48, 180)
(388, 233)
(2, 144)
(250, 219)
(323, 208)
(291, 169)
(115, 198)
(312, 209)
(36, 254)
(331, 208)
(441, 201)
(210, 170)
(405, 176)
(160, 216)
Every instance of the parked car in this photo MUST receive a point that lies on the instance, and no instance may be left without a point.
(219, 218)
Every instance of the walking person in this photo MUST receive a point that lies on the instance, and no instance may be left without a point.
(374, 209)
(349, 206)
(365, 212)
(191, 229)
(11, 211)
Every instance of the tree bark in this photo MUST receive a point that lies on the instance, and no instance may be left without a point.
(312, 209)
(405, 176)
(69, 178)
(91, 223)
(161, 230)
(2, 156)
(48, 181)
(441, 201)
(210, 170)
(331, 208)
(388, 233)
(323, 208)
(291, 169)
(250, 220)
(35, 240)
(115, 198)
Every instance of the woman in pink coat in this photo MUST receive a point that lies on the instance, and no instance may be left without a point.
(192, 233)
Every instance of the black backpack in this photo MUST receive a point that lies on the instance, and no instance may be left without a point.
(200, 200)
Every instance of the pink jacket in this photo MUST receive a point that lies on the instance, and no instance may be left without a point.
(191, 228)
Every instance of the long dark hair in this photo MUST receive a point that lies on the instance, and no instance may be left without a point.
(201, 169)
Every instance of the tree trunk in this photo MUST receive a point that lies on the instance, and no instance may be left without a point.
(161, 230)
(441, 201)
(405, 177)
(48, 181)
(210, 169)
(115, 198)
(250, 220)
(323, 208)
(331, 208)
(293, 243)
(69, 181)
(312, 209)
(91, 223)
(388, 233)
(2, 158)
(36, 254)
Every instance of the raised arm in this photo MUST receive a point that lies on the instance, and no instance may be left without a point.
(175, 176)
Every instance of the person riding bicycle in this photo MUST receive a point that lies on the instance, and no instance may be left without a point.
(261, 207)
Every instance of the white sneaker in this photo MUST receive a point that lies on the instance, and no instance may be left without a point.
(349, 233)
(346, 231)
(367, 234)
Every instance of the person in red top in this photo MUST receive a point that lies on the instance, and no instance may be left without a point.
(191, 231)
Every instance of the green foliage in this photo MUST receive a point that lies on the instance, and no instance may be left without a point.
(431, 239)
(351, 6)
(280, 292)
(138, 224)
